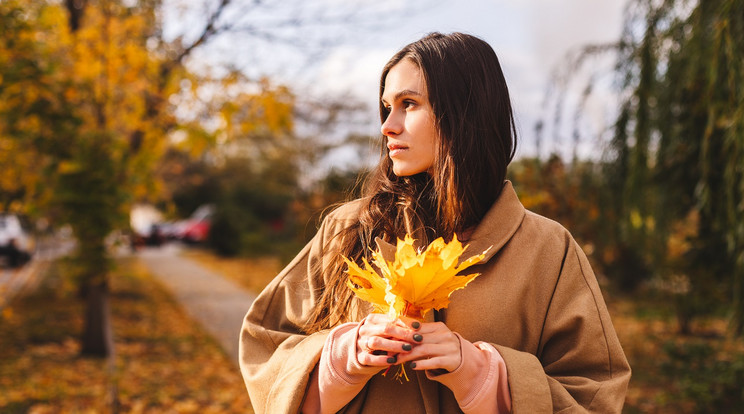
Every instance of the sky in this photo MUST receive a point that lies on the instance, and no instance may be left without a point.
(531, 38)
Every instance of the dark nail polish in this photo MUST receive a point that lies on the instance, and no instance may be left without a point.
(415, 325)
(407, 347)
(413, 365)
(392, 360)
(418, 337)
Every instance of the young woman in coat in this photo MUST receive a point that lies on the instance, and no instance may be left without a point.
(531, 334)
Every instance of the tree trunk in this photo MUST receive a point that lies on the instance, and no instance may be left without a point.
(97, 337)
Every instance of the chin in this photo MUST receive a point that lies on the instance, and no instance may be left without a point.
(407, 172)
(403, 173)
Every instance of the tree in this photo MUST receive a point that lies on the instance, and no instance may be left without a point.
(676, 160)
(89, 101)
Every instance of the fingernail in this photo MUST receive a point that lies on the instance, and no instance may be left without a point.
(407, 347)
(415, 325)
(413, 365)
(418, 337)
(392, 359)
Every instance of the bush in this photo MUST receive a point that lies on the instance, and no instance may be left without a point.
(711, 379)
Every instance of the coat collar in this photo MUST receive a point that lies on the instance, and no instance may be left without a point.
(498, 226)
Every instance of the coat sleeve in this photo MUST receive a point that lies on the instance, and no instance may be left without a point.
(276, 357)
(580, 366)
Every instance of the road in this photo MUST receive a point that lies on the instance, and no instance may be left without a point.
(217, 303)
(25, 278)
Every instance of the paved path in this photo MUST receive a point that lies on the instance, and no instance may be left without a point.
(15, 282)
(217, 303)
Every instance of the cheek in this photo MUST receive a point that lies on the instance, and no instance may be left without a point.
(433, 138)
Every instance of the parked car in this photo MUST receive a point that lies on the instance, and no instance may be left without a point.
(144, 220)
(195, 229)
(17, 241)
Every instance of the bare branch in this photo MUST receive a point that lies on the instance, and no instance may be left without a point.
(209, 30)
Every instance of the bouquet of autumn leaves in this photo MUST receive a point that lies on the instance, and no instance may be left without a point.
(415, 282)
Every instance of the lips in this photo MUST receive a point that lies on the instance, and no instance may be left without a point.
(396, 148)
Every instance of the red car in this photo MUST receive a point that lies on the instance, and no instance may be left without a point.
(195, 229)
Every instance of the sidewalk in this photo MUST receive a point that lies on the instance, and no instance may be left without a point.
(15, 282)
(218, 304)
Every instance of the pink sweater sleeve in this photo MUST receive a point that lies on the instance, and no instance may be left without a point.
(480, 382)
(338, 377)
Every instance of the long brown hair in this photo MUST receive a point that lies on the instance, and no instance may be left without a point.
(477, 141)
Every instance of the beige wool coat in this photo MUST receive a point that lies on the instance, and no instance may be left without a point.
(537, 302)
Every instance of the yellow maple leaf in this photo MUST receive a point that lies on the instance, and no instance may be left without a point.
(414, 282)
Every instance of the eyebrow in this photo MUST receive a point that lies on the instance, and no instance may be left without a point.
(404, 92)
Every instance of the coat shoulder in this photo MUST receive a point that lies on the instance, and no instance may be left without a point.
(545, 226)
(346, 211)
(341, 217)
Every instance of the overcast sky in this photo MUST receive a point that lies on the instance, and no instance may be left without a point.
(531, 37)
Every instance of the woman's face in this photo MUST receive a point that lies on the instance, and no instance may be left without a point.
(410, 128)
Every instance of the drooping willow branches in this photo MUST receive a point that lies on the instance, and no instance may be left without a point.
(676, 157)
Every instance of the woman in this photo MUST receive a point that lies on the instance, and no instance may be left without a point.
(531, 334)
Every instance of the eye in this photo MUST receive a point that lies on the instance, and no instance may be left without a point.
(409, 103)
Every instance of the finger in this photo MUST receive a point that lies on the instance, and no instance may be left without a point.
(385, 327)
(433, 327)
(363, 343)
(446, 363)
(432, 350)
(378, 318)
(371, 360)
(378, 343)
(428, 334)
(410, 323)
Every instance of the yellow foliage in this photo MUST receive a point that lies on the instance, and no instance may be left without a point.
(679, 242)
(414, 282)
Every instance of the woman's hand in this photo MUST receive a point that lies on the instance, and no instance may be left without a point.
(435, 347)
(381, 339)
(430, 346)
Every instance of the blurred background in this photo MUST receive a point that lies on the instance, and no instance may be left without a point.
(136, 136)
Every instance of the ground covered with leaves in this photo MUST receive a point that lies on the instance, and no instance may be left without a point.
(163, 361)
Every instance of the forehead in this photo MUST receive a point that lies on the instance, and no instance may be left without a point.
(405, 78)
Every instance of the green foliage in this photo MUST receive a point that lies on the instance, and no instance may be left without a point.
(253, 207)
(713, 382)
(90, 196)
(578, 195)
(676, 163)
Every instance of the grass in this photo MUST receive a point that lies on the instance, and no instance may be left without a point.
(251, 273)
(164, 362)
(645, 327)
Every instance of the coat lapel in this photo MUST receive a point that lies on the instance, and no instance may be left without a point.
(498, 226)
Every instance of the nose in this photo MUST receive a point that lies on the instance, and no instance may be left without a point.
(392, 126)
